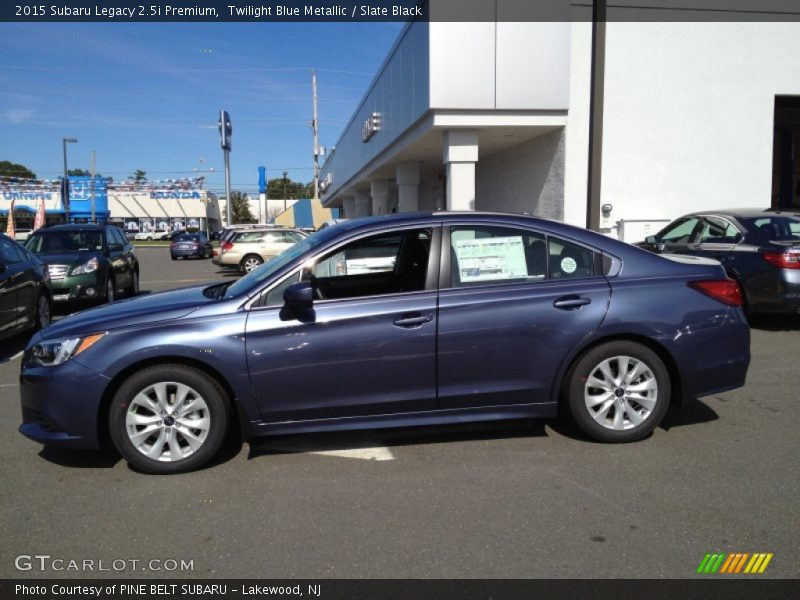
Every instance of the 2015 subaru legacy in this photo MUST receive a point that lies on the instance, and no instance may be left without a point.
(405, 320)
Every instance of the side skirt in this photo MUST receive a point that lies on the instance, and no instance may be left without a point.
(434, 417)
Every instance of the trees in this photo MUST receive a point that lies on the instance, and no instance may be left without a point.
(279, 188)
(138, 176)
(78, 173)
(9, 169)
(241, 209)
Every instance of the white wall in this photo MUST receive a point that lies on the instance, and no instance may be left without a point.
(689, 111)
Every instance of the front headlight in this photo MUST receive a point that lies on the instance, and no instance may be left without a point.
(50, 353)
(89, 266)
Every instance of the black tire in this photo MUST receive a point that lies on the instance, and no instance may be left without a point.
(218, 412)
(133, 287)
(174, 257)
(579, 395)
(111, 290)
(250, 259)
(44, 312)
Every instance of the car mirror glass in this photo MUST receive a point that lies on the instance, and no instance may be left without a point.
(651, 240)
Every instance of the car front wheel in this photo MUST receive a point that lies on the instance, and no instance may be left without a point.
(618, 391)
(168, 419)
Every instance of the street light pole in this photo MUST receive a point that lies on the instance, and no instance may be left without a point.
(65, 192)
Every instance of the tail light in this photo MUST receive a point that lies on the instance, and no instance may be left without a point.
(225, 246)
(782, 260)
(726, 291)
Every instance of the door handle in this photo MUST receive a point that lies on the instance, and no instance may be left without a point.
(571, 302)
(413, 320)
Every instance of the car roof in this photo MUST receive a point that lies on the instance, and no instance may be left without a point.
(746, 213)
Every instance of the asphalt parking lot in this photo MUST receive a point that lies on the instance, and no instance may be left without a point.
(531, 499)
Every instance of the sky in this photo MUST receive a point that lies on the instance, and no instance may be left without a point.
(147, 96)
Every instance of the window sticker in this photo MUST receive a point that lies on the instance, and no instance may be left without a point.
(568, 264)
(488, 259)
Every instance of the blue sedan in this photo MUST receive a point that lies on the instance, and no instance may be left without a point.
(411, 319)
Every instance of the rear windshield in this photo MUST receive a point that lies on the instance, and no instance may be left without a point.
(778, 229)
(49, 242)
(187, 238)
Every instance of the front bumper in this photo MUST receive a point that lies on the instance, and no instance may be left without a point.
(60, 405)
(78, 287)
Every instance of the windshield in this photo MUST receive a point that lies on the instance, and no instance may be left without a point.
(271, 267)
(777, 229)
(48, 242)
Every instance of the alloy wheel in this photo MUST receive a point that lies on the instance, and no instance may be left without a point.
(168, 421)
(250, 264)
(621, 392)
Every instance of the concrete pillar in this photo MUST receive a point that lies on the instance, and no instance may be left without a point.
(459, 154)
(362, 204)
(379, 190)
(349, 206)
(407, 175)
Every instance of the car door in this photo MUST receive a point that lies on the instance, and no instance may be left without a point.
(513, 304)
(678, 237)
(370, 347)
(717, 238)
(19, 283)
(8, 287)
(117, 258)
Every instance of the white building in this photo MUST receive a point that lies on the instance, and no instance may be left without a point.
(500, 116)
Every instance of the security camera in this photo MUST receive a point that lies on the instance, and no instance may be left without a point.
(606, 209)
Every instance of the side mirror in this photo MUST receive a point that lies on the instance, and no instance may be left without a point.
(650, 240)
(298, 302)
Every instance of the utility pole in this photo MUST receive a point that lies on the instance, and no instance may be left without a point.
(285, 177)
(65, 188)
(315, 127)
(91, 172)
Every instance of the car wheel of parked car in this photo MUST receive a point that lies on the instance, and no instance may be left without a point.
(133, 288)
(43, 312)
(110, 290)
(618, 391)
(250, 262)
(168, 419)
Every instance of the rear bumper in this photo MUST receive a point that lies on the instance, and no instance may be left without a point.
(186, 252)
(715, 359)
(777, 294)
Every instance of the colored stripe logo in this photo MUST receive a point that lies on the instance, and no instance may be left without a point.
(735, 563)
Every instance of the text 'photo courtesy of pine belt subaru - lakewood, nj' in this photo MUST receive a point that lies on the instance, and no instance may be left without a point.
(410, 319)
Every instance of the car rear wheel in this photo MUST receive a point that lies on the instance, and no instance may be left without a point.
(618, 391)
(168, 419)
(250, 262)
(43, 312)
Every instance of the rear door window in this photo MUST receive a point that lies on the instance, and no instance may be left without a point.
(716, 230)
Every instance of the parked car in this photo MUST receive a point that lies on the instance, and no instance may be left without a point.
(248, 250)
(25, 294)
(759, 248)
(481, 317)
(87, 263)
(158, 234)
(188, 245)
(20, 235)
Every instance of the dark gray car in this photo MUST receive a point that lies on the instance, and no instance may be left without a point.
(759, 248)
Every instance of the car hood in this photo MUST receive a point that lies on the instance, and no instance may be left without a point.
(68, 258)
(151, 308)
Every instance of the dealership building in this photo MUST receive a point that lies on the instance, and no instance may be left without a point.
(134, 208)
(617, 125)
